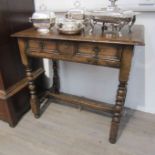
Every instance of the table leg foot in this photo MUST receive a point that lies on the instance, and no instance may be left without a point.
(34, 101)
(35, 106)
(37, 116)
(113, 133)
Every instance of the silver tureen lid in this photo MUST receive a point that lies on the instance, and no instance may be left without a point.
(77, 13)
(113, 16)
(112, 11)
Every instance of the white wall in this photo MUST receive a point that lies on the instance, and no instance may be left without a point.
(100, 83)
(61, 5)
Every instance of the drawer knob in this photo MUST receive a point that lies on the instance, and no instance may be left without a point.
(42, 45)
(96, 49)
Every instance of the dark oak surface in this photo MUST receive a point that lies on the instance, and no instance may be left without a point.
(13, 17)
(96, 49)
(134, 38)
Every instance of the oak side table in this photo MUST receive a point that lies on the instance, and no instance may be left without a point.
(96, 49)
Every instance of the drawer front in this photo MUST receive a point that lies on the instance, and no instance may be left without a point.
(100, 51)
(59, 47)
(66, 48)
(91, 53)
(42, 45)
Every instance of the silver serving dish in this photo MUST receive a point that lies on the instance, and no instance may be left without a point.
(113, 18)
(43, 21)
(69, 26)
(78, 13)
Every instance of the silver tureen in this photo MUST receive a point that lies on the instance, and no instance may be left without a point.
(73, 23)
(78, 14)
(112, 17)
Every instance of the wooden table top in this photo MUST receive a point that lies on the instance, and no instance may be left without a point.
(136, 37)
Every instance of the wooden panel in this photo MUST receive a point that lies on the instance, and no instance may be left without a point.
(13, 17)
(19, 12)
(50, 45)
(2, 110)
(44, 45)
(97, 54)
(35, 44)
(66, 47)
(101, 51)
(4, 16)
(1, 82)
(75, 58)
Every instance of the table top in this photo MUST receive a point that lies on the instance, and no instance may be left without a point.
(136, 37)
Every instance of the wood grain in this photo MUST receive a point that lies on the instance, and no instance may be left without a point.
(82, 102)
(134, 38)
(14, 16)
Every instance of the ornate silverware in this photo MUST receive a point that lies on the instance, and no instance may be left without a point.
(112, 18)
(69, 26)
(43, 21)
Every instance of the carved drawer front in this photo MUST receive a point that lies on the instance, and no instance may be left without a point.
(100, 51)
(66, 48)
(44, 45)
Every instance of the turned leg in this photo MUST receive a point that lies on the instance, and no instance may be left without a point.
(34, 101)
(120, 99)
(56, 80)
(104, 27)
(121, 92)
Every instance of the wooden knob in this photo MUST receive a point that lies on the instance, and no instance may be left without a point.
(96, 49)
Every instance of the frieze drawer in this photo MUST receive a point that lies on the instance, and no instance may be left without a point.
(91, 53)
(42, 45)
(66, 48)
(61, 47)
(100, 51)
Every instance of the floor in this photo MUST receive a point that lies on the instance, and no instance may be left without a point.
(64, 130)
